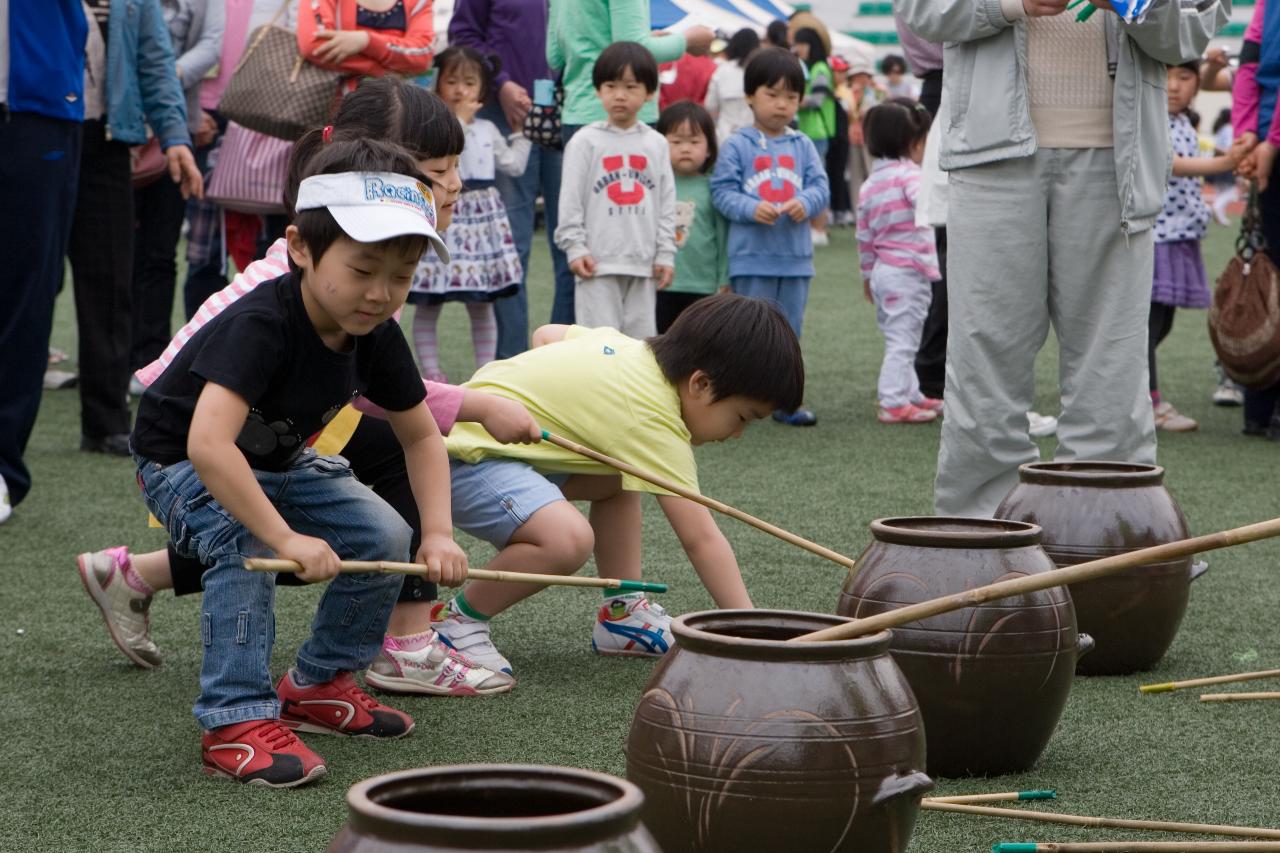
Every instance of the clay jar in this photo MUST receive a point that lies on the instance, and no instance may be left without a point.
(508, 807)
(1090, 510)
(743, 741)
(991, 680)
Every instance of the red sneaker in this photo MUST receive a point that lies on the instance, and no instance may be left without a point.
(338, 707)
(933, 404)
(260, 752)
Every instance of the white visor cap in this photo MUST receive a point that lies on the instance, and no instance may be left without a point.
(374, 206)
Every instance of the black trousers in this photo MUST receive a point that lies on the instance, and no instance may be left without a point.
(1159, 325)
(670, 305)
(931, 91)
(1262, 406)
(39, 164)
(101, 252)
(377, 460)
(160, 210)
(837, 162)
(931, 358)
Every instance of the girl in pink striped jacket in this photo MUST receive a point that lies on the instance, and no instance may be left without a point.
(899, 259)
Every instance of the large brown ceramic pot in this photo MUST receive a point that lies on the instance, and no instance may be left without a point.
(743, 741)
(1090, 510)
(508, 807)
(991, 680)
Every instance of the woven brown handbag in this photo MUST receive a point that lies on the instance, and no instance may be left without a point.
(275, 90)
(1244, 320)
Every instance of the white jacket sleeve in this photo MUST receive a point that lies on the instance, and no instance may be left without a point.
(958, 20)
(1174, 31)
(511, 153)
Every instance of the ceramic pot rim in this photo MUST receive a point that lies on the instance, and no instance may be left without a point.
(619, 814)
(694, 631)
(950, 532)
(1092, 473)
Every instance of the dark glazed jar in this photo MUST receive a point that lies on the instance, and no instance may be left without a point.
(743, 741)
(991, 680)
(1090, 510)
(507, 807)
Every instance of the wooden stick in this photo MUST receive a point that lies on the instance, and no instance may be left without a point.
(1109, 822)
(1005, 797)
(1044, 580)
(258, 564)
(709, 503)
(1237, 697)
(1205, 682)
(1138, 847)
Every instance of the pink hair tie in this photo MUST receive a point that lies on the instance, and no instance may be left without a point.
(327, 133)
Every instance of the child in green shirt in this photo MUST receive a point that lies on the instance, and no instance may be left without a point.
(702, 233)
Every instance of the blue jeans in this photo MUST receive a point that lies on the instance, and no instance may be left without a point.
(789, 293)
(520, 193)
(317, 496)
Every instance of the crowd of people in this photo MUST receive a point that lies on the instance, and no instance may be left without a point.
(686, 179)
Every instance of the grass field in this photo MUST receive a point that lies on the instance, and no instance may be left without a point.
(100, 756)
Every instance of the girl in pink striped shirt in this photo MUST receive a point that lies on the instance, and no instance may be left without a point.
(899, 259)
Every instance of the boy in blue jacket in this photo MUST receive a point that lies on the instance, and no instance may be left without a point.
(768, 182)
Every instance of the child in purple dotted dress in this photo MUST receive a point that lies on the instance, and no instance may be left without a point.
(1180, 280)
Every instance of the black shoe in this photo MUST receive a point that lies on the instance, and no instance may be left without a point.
(112, 445)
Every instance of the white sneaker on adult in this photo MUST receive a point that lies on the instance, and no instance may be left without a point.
(1228, 393)
(6, 509)
(1041, 425)
(467, 636)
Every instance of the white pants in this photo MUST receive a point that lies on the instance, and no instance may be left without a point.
(1034, 242)
(902, 299)
(623, 302)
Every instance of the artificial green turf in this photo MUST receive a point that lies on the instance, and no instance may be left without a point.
(100, 756)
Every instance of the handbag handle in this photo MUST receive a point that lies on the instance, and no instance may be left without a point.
(1252, 239)
(261, 34)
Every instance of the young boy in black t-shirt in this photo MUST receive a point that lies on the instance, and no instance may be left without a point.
(220, 444)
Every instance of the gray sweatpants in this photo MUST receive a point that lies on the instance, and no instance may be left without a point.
(1035, 241)
(627, 303)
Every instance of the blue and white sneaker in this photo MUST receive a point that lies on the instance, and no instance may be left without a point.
(632, 626)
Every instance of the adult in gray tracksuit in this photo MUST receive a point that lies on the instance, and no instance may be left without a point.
(1056, 143)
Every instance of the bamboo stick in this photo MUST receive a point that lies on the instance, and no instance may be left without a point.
(1237, 697)
(1004, 797)
(1035, 583)
(1169, 686)
(1137, 847)
(257, 564)
(1108, 822)
(709, 503)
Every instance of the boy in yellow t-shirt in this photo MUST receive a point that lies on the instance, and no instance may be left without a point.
(725, 362)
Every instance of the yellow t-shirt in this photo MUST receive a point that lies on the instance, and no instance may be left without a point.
(599, 388)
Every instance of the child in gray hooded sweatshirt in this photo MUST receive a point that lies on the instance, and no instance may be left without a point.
(618, 201)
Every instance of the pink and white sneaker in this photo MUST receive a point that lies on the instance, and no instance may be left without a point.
(932, 404)
(423, 663)
(906, 414)
(124, 606)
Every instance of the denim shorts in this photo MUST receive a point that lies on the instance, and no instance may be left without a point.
(493, 498)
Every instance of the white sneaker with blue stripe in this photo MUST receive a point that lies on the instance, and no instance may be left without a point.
(633, 626)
